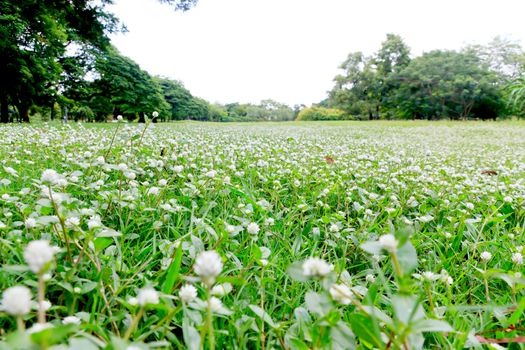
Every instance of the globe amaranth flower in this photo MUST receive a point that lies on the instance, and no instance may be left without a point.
(188, 293)
(341, 293)
(208, 266)
(316, 267)
(388, 242)
(38, 254)
(485, 256)
(16, 301)
(147, 296)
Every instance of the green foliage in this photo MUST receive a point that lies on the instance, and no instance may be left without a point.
(129, 90)
(447, 84)
(321, 113)
(436, 85)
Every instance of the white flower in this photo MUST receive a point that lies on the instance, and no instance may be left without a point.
(147, 296)
(334, 228)
(72, 221)
(154, 191)
(485, 256)
(216, 305)
(45, 305)
(208, 265)
(155, 114)
(133, 301)
(30, 223)
(253, 228)
(341, 293)
(38, 327)
(316, 267)
(187, 293)
(370, 278)
(211, 174)
(507, 199)
(517, 258)
(221, 289)
(49, 176)
(94, 222)
(71, 320)
(163, 182)
(16, 301)
(178, 168)
(119, 118)
(388, 242)
(269, 222)
(38, 254)
(429, 276)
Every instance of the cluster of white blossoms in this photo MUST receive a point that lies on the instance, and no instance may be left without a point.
(188, 293)
(316, 267)
(16, 301)
(485, 256)
(208, 265)
(341, 293)
(389, 243)
(39, 254)
(147, 296)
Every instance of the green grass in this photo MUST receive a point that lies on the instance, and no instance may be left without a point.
(451, 190)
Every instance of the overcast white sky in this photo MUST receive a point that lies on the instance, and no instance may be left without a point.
(289, 50)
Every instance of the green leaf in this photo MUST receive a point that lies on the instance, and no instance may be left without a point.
(295, 271)
(372, 247)
(431, 325)
(172, 274)
(517, 314)
(102, 243)
(82, 344)
(53, 335)
(317, 303)
(407, 309)
(342, 337)
(365, 330)
(407, 257)
(263, 315)
(191, 336)
(298, 344)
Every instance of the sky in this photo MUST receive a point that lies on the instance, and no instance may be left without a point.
(289, 50)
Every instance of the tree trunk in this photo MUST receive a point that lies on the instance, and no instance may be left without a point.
(4, 109)
(52, 115)
(23, 110)
(116, 113)
(141, 117)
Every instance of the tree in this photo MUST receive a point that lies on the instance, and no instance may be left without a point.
(130, 90)
(365, 87)
(502, 56)
(183, 105)
(34, 36)
(34, 41)
(355, 91)
(447, 84)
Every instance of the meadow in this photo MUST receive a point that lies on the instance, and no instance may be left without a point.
(372, 235)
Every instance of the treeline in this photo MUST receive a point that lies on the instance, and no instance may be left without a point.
(56, 62)
(479, 81)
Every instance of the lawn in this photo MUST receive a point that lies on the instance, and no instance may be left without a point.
(314, 235)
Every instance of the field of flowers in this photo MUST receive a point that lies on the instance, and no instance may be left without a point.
(262, 236)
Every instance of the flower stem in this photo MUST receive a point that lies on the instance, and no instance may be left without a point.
(20, 323)
(134, 323)
(41, 294)
(397, 267)
(209, 323)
